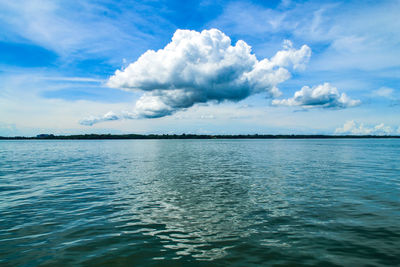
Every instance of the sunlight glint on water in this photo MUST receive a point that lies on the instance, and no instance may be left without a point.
(200, 202)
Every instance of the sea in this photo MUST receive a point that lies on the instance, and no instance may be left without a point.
(310, 202)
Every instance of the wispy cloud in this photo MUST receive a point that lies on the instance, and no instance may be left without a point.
(109, 116)
(384, 92)
(73, 79)
(77, 28)
(344, 32)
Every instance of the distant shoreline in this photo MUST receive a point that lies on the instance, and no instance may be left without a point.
(191, 136)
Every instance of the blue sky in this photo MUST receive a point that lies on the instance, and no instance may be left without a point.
(57, 57)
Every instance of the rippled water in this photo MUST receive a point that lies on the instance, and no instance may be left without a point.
(200, 202)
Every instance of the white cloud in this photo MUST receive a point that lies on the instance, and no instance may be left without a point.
(382, 128)
(292, 57)
(110, 116)
(321, 96)
(352, 127)
(198, 67)
(385, 92)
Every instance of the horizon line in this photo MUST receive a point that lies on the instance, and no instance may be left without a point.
(191, 136)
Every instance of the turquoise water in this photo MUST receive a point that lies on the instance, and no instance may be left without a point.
(200, 202)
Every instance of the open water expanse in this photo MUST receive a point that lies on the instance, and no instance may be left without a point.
(200, 202)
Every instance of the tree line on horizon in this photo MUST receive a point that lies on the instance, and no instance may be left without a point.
(187, 136)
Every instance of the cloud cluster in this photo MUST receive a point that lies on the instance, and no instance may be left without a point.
(198, 67)
(321, 96)
(352, 127)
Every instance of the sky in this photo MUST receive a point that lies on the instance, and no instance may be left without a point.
(202, 67)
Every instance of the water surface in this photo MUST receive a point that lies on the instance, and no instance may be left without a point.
(200, 202)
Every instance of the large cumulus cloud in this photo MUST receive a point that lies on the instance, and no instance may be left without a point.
(321, 96)
(198, 67)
